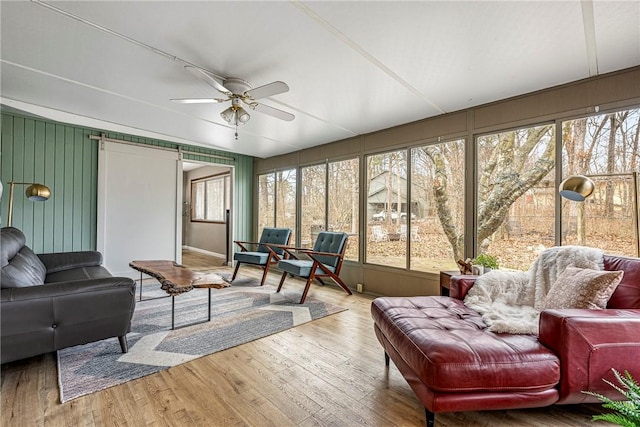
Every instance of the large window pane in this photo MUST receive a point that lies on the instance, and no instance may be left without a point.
(312, 216)
(266, 201)
(436, 226)
(210, 198)
(344, 202)
(516, 194)
(605, 148)
(386, 201)
(286, 201)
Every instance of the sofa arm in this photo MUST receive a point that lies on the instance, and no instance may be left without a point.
(589, 343)
(460, 285)
(61, 261)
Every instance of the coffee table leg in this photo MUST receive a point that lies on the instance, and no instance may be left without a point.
(209, 304)
(141, 286)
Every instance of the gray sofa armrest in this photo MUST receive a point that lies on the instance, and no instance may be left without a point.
(55, 262)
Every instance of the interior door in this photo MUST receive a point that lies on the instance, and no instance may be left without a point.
(138, 210)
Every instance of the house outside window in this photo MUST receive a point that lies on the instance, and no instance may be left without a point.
(210, 198)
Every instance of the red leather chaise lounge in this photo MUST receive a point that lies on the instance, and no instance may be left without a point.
(453, 363)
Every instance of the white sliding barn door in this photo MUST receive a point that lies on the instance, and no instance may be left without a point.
(137, 206)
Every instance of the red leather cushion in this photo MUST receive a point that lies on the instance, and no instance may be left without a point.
(448, 347)
(627, 294)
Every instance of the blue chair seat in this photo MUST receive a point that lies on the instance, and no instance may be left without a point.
(301, 267)
(259, 258)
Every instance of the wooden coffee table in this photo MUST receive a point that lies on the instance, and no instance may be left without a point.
(176, 279)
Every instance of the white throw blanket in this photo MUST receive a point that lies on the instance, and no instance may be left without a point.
(511, 301)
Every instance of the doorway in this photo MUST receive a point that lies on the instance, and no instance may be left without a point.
(207, 200)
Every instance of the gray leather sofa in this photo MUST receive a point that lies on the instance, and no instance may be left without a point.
(58, 300)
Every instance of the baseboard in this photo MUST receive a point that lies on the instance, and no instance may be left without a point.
(202, 251)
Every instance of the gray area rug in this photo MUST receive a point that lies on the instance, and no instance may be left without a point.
(239, 314)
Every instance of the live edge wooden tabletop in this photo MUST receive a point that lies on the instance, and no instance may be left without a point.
(176, 279)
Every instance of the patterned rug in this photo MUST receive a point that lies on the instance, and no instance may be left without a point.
(239, 314)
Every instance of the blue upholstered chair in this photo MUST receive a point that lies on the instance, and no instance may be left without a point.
(263, 254)
(325, 260)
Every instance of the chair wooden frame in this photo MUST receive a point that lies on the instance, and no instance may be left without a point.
(291, 251)
(272, 258)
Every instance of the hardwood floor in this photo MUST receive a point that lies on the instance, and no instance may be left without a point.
(329, 372)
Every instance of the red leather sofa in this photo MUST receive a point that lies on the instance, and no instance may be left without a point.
(453, 363)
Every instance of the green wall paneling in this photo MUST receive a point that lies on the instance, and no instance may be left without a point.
(64, 158)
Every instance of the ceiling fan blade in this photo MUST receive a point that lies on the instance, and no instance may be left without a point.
(274, 112)
(198, 100)
(268, 90)
(208, 79)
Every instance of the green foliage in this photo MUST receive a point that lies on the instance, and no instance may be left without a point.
(486, 260)
(626, 413)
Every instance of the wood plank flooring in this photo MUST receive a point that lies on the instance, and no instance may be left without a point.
(329, 372)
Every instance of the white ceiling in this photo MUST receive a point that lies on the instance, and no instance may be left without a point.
(353, 67)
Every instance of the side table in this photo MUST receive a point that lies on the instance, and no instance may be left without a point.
(445, 281)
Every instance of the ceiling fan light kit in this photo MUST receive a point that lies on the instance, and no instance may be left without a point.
(239, 91)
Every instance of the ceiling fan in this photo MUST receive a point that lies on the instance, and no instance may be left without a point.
(239, 92)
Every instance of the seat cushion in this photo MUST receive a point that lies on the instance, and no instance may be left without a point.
(449, 348)
(20, 266)
(259, 258)
(300, 267)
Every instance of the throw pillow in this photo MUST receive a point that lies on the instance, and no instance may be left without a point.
(582, 288)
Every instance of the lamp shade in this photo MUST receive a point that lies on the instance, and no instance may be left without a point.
(576, 188)
(38, 192)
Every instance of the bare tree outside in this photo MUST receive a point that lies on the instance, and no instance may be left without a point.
(313, 197)
(605, 148)
(515, 200)
(344, 202)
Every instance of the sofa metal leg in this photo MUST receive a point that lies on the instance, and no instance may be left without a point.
(431, 418)
(123, 343)
(386, 358)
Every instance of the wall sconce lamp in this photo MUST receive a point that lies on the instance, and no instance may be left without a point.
(35, 192)
(576, 188)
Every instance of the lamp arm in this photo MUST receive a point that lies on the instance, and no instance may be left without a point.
(10, 213)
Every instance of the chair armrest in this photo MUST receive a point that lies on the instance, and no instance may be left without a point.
(589, 343)
(460, 285)
(61, 261)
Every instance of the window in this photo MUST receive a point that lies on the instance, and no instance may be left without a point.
(285, 192)
(314, 197)
(386, 208)
(210, 198)
(266, 201)
(436, 224)
(516, 193)
(343, 179)
(604, 148)
(277, 201)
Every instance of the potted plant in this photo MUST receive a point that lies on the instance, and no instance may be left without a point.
(627, 412)
(488, 262)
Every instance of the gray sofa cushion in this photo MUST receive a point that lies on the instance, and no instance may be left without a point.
(20, 266)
